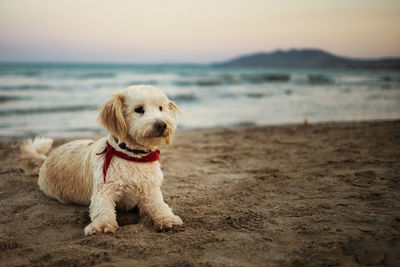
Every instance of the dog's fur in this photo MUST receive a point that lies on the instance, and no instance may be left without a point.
(72, 173)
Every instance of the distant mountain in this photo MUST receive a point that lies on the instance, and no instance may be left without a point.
(308, 58)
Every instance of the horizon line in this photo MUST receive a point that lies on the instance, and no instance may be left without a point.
(61, 62)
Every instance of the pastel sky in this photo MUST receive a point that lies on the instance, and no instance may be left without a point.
(193, 31)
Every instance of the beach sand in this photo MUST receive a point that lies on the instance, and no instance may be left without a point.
(323, 194)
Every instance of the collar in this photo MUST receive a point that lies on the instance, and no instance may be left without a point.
(124, 147)
(110, 152)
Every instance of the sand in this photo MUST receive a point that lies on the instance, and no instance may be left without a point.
(325, 194)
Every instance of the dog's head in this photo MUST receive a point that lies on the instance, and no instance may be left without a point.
(140, 115)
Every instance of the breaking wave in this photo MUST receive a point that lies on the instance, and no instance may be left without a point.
(226, 79)
(319, 79)
(9, 98)
(23, 87)
(97, 75)
(26, 111)
(183, 97)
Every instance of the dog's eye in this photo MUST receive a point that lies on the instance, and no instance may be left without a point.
(139, 109)
(160, 108)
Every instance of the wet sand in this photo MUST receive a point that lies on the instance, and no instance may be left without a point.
(326, 194)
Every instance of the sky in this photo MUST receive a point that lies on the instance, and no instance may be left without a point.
(187, 31)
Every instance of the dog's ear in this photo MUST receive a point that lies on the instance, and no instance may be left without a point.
(111, 117)
(168, 139)
(174, 108)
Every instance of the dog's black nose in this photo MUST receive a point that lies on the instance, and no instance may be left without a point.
(160, 127)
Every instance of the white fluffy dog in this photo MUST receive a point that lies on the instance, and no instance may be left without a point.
(118, 171)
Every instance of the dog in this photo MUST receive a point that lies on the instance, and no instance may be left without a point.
(119, 171)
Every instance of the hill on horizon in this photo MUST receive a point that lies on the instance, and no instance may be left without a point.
(308, 58)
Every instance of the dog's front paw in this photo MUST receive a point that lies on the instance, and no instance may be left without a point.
(167, 223)
(100, 227)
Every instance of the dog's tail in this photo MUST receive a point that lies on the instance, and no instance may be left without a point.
(33, 154)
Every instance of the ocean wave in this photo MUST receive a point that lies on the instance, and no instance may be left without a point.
(255, 95)
(145, 82)
(200, 82)
(259, 95)
(209, 82)
(23, 87)
(226, 95)
(223, 79)
(7, 112)
(8, 98)
(98, 75)
(319, 79)
(28, 73)
(227, 79)
(387, 78)
(263, 78)
(183, 83)
(183, 97)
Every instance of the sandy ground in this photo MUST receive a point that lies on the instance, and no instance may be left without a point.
(324, 194)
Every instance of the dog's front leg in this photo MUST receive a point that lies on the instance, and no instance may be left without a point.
(102, 210)
(161, 214)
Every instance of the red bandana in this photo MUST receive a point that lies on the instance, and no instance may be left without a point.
(110, 152)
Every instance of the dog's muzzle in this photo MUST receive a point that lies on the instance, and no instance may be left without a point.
(159, 128)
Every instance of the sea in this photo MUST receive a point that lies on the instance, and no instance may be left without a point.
(60, 100)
